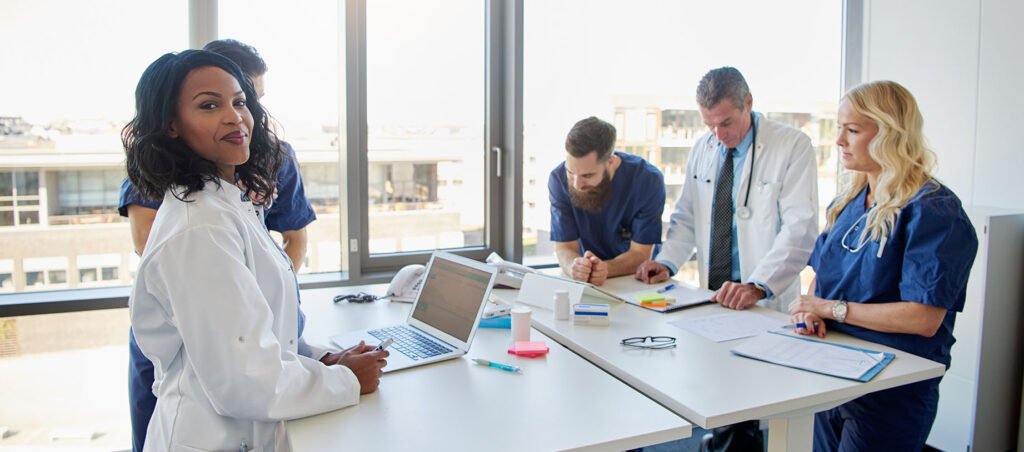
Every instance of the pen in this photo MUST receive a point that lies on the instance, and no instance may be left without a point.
(666, 288)
(505, 367)
(798, 325)
(383, 345)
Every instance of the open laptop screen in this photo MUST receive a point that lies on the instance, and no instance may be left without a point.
(451, 296)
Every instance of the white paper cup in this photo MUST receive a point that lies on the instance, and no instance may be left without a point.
(520, 323)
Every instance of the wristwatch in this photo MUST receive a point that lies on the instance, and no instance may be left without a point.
(839, 311)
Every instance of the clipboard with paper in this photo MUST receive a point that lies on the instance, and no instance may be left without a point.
(813, 355)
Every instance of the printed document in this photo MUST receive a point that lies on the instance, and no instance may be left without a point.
(726, 327)
(815, 356)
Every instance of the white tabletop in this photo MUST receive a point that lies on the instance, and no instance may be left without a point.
(700, 379)
(558, 402)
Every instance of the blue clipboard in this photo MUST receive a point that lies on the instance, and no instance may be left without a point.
(867, 376)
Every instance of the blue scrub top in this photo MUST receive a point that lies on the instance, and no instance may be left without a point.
(291, 210)
(633, 212)
(927, 259)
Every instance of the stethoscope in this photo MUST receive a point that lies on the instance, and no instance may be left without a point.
(862, 239)
(744, 212)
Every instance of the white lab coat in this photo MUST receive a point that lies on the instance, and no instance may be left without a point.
(776, 241)
(215, 309)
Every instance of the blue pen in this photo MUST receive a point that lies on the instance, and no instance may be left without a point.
(666, 288)
(505, 367)
(798, 325)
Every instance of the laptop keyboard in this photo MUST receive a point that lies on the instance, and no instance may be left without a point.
(409, 342)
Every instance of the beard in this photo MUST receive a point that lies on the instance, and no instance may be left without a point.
(593, 199)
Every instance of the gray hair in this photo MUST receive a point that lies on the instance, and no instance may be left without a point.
(722, 83)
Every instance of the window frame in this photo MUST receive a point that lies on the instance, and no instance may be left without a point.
(503, 146)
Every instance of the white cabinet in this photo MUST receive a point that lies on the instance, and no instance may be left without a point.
(980, 395)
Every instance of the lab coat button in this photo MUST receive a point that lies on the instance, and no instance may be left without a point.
(241, 338)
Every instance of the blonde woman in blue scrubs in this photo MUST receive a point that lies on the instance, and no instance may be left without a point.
(891, 266)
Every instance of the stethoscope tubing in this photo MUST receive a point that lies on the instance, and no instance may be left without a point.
(750, 175)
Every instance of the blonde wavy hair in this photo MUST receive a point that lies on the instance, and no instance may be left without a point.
(899, 148)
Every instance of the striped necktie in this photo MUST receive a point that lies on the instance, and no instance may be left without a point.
(720, 263)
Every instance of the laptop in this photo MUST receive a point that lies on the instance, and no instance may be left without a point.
(443, 319)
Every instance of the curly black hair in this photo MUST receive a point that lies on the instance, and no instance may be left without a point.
(156, 162)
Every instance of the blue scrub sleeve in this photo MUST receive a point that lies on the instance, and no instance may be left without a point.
(563, 222)
(647, 222)
(131, 195)
(940, 248)
(291, 210)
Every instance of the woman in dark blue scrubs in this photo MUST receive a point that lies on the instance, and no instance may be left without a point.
(891, 266)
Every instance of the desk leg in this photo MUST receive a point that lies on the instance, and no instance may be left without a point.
(791, 434)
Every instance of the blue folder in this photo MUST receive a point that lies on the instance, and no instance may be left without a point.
(504, 321)
(867, 376)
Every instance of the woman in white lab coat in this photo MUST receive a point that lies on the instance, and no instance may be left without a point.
(215, 302)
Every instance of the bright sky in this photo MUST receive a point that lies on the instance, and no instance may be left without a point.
(82, 59)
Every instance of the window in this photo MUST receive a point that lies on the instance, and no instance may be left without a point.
(46, 272)
(642, 78)
(6, 275)
(299, 41)
(98, 269)
(19, 198)
(63, 109)
(425, 80)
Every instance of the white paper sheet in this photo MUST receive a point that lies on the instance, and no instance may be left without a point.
(814, 356)
(726, 327)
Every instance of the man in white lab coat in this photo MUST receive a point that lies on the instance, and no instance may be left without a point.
(748, 207)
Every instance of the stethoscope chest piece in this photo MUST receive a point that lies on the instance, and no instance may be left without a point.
(744, 213)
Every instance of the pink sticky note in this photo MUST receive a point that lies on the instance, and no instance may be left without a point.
(529, 349)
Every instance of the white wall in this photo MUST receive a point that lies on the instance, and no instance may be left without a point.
(964, 62)
(960, 58)
(999, 161)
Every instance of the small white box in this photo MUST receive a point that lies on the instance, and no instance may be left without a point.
(595, 314)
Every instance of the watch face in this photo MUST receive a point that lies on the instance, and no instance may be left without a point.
(839, 311)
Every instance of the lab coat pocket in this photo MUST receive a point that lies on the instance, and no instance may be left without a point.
(766, 206)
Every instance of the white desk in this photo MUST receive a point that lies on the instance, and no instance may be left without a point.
(558, 402)
(706, 384)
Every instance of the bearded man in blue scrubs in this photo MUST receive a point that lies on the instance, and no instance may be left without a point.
(605, 206)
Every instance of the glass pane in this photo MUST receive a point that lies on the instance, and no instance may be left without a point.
(643, 77)
(66, 97)
(58, 276)
(33, 278)
(6, 281)
(6, 179)
(26, 183)
(28, 217)
(63, 381)
(109, 273)
(87, 275)
(425, 114)
(302, 93)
